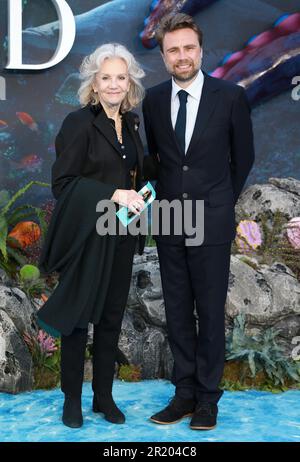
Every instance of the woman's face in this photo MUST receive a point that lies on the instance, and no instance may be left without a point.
(112, 82)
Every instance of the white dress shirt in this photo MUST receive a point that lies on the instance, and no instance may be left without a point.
(194, 91)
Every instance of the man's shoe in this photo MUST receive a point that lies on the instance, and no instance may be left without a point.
(177, 409)
(72, 414)
(108, 407)
(205, 416)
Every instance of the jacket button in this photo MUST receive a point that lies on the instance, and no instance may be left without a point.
(122, 147)
(185, 195)
(185, 168)
(124, 157)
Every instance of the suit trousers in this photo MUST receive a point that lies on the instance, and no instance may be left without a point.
(106, 332)
(196, 277)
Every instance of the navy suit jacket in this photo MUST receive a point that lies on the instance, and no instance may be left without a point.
(218, 160)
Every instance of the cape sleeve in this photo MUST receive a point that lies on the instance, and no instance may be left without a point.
(82, 258)
(74, 215)
(72, 246)
(71, 146)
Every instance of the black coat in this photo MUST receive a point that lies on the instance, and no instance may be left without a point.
(89, 167)
(87, 146)
(218, 160)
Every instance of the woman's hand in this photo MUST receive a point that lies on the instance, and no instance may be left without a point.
(129, 198)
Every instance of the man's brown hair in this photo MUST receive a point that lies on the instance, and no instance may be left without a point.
(172, 22)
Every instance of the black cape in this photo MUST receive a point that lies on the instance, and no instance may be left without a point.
(80, 255)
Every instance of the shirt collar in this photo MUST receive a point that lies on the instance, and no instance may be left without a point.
(194, 89)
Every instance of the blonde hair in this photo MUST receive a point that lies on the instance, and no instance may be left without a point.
(91, 65)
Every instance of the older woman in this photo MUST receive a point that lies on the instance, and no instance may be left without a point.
(99, 156)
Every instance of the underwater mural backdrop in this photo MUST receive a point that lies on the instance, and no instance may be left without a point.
(256, 46)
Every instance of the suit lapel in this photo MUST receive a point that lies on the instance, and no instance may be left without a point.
(208, 101)
(107, 129)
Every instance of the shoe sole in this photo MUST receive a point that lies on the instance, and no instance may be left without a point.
(202, 428)
(169, 423)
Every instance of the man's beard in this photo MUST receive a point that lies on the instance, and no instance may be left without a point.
(185, 77)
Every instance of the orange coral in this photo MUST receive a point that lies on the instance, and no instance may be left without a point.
(25, 233)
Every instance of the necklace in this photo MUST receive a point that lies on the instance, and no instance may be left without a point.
(117, 126)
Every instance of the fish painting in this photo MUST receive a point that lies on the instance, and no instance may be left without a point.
(27, 120)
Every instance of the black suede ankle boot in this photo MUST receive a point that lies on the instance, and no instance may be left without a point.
(72, 414)
(106, 405)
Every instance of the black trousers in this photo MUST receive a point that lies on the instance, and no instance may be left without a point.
(196, 276)
(106, 332)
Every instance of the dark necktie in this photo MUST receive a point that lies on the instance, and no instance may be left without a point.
(181, 119)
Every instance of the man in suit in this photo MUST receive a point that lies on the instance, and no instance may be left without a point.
(200, 141)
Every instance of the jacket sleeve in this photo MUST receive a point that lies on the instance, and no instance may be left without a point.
(242, 144)
(151, 161)
(71, 147)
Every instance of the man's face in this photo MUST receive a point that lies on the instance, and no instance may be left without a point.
(182, 54)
